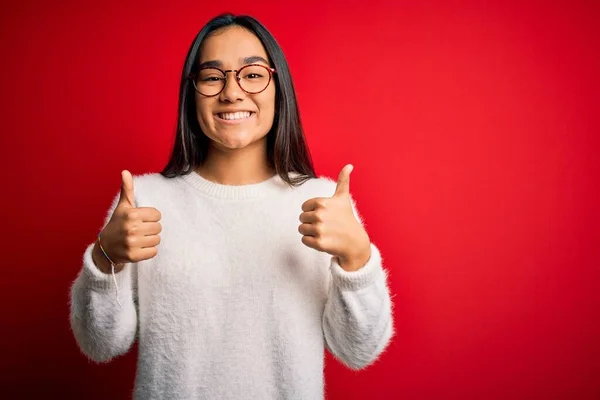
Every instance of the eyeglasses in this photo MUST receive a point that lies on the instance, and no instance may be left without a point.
(252, 79)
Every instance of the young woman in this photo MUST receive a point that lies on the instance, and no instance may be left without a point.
(235, 266)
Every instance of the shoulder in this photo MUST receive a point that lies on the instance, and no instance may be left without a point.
(154, 187)
(321, 186)
(151, 181)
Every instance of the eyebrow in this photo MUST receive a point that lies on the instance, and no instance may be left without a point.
(246, 60)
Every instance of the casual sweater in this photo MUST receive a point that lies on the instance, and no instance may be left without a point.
(234, 305)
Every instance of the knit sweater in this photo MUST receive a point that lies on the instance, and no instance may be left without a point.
(234, 305)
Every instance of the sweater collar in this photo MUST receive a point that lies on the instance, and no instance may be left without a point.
(268, 187)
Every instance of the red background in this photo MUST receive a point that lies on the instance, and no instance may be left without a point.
(473, 128)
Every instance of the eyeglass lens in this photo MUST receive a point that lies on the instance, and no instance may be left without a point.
(252, 79)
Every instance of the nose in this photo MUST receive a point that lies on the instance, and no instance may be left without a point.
(232, 91)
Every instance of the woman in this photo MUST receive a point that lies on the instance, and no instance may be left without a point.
(261, 264)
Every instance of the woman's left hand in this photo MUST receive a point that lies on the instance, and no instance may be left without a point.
(329, 225)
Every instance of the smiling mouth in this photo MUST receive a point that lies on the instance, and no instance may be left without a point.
(236, 116)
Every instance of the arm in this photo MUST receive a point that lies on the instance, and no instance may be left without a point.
(102, 329)
(357, 322)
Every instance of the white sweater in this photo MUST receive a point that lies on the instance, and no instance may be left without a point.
(234, 306)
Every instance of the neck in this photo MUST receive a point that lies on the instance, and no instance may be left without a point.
(237, 167)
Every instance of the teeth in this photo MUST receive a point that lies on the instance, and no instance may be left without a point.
(237, 115)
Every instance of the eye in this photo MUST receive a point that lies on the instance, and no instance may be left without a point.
(210, 76)
(211, 79)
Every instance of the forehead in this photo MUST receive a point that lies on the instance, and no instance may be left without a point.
(230, 45)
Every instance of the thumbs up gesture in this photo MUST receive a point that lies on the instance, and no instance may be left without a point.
(329, 225)
(132, 233)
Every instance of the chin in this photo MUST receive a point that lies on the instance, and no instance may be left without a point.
(238, 141)
(235, 143)
(235, 146)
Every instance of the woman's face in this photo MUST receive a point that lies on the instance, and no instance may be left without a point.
(231, 48)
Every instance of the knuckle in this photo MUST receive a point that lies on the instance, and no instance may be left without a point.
(319, 229)
(319, 242)
(130, 242)
(130, 254)
(319, 215)
(322, 203)
(130, 230)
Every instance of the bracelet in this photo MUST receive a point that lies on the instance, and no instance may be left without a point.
(112, 263)
(112, 268)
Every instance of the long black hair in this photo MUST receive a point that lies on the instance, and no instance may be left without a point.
(287, 151)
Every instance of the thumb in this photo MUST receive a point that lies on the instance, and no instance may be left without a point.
(343, 183)
(127, 197)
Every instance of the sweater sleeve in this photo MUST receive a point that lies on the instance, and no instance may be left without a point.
(102, 328)
(358, 321)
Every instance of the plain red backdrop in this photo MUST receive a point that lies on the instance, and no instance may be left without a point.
(473, 128)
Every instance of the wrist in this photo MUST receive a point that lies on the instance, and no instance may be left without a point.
(99, 260)
(355, 261)
(103, 263)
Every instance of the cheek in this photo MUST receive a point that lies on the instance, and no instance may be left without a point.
(203, 112)
(267, 108)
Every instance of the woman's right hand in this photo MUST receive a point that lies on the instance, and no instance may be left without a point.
(131, 234)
